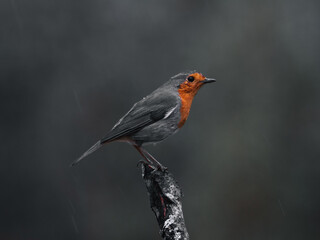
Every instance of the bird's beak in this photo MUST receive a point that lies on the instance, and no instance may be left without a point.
(208, 80)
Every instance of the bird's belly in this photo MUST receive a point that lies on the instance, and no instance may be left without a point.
(155, 132)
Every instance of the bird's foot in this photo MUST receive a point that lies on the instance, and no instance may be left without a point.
(154, 166)
(161, 168)
(143, 162)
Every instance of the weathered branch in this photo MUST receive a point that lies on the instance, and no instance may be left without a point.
(165, 199)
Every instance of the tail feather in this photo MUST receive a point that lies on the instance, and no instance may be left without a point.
(94, 148)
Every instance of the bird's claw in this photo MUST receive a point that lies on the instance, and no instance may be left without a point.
(156, 167)
(162, 168)
(143, 162)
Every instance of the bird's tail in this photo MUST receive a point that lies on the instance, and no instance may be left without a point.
(94, 148)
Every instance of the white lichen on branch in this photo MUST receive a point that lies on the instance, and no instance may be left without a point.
(165, 200)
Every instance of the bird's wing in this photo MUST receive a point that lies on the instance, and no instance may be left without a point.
(148, 111)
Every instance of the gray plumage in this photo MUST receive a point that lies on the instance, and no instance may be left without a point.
(152, 119)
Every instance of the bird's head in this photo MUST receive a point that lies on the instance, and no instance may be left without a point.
(190, 82)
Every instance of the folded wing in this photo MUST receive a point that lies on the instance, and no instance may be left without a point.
(145, 112)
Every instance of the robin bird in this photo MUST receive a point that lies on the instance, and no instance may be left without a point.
(156, 116)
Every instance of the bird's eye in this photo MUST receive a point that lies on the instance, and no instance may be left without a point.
(191, 78)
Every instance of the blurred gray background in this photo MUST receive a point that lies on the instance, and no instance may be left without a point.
(247, 159)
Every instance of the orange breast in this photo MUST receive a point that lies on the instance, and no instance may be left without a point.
(186, 102)
(186, 96)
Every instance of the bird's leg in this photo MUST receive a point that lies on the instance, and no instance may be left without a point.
(162, 168)
(150, 163)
